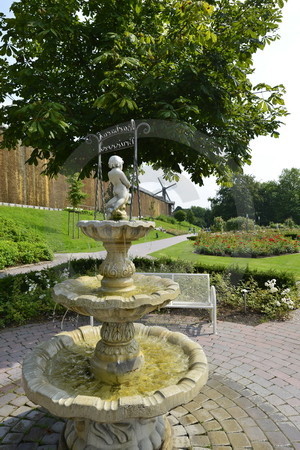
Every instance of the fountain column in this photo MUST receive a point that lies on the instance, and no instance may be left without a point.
(117, 353)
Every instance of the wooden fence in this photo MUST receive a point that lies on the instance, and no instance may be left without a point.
(23, 184)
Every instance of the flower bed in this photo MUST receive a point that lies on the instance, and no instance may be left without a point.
(245, 244)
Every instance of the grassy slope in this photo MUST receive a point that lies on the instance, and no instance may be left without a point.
(184, 250)
(53, 227)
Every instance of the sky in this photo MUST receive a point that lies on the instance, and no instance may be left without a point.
(278, 63)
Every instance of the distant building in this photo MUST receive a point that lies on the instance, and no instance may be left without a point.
(23, 184)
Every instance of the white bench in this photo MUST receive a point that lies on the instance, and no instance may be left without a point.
(196, 292)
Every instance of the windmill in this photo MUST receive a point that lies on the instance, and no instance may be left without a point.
(164, 192)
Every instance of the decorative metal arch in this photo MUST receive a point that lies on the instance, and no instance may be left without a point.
(132, 141)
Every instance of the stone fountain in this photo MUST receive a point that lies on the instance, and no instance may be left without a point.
(115, 383)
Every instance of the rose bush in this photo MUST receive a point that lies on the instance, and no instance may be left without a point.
(244, 244)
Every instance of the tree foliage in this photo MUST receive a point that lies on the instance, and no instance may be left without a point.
(270, 201)
(75, 193)
(76, 67)
(180, 215)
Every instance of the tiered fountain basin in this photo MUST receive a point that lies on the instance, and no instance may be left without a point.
(41, 367)
(115, 382)
(84, 296)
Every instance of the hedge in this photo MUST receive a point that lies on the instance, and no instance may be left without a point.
(28, 297)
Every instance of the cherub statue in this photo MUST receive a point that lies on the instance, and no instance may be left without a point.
(115, 207)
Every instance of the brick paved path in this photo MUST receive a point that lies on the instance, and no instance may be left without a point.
(252, 399)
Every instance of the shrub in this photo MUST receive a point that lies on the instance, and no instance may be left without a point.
(27, 297)
(33, 252)
(240, 223)
(218, 224)
(167, 219)
(19, 245)
(273, 301)
(8, 253)
(180, 215)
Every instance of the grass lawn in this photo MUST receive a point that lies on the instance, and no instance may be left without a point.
(53, 228)
(184, 251)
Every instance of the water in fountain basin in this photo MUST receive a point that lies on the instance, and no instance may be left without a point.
(165, 364)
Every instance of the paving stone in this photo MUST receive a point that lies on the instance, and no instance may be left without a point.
(256, 413)
(19, 401)
(209, 405)
(218, 438)
(262, 446)
(288, 410)
(244, 403)
(220, 414)
(268, 409)
(10, 421)
(201, 398)
(213, 394)
(50, 438)
(4, 431)
(47, 447)
(6, 410)
(267, 425)
(179, 430)
(189, 419)
(192, 406)
(277, 438)
(290, 431)
(179, 411)
(230, 393)
(12, 438)
(212, 425)
(200, 441)
(21, 411)
(225, 402)
(23, 425)
(222, 447)
(7, 398)
(230, 425)
(195, 429)
(202, 415)
(35, 414)
(47, 422)
(8, 447)
(181, 442)
(35, 434)
(255, 434)
(27, 446)
(236, 412)
(173, 420)
(239, 440)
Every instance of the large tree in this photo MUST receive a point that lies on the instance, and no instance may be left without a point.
(289, 195)
(75, 67)
(241, 199)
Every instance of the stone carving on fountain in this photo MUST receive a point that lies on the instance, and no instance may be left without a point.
(116, 352)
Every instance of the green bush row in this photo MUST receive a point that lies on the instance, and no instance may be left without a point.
(19, 245)
(17, 253)
(28, 297)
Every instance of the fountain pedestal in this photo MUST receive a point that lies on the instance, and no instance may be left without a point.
(127, 435)
(117, 353)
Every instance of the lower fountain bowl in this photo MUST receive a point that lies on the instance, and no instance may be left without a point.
(41, 390)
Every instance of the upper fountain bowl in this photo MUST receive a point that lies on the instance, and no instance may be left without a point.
(83, 295)
(111, 230)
